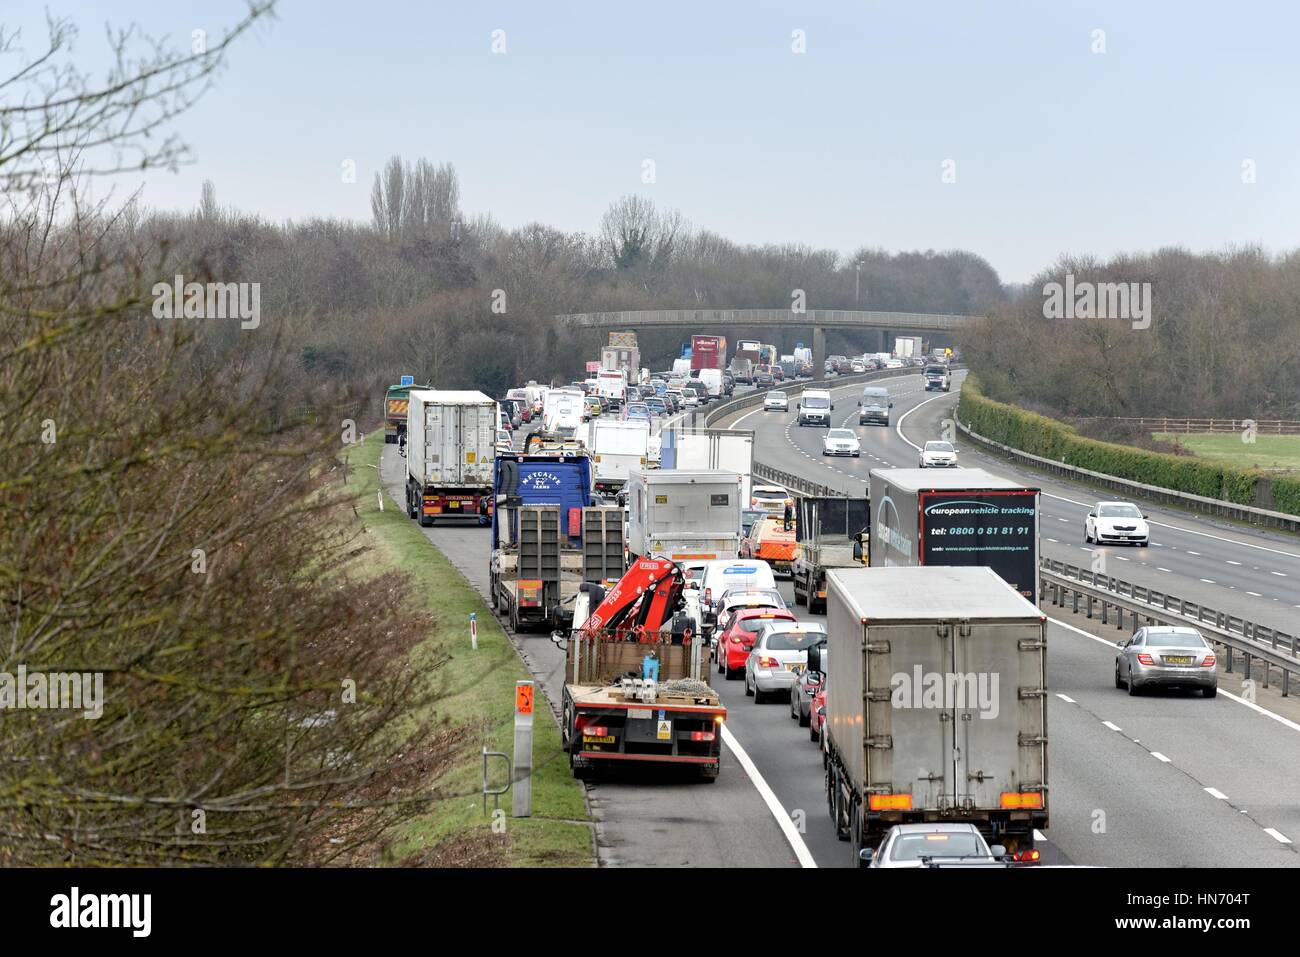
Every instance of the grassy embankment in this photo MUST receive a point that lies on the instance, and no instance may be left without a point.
(477, 699)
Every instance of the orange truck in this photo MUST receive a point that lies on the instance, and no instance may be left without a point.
(769, 540)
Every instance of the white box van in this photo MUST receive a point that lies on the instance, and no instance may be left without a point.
(815, 407)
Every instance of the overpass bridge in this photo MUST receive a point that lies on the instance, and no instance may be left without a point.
(818, 320)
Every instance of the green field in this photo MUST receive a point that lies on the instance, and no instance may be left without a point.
(1266, 452)
(477, 705)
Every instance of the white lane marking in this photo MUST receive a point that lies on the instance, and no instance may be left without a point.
(1254, 594)
(1231, 562)
(1112, 726)
(1277, 835)
(903, 418)
(1209, 581)
(1278, 574)
(1216, 794)
(1190, 552)
(1159, 569)
(1065, 697)
(769, 798)
(1159, 757)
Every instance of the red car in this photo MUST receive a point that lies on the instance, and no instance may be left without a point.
(817, 713)
(735, 643)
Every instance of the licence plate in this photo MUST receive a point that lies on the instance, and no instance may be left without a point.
(601, 739)
(453, 504)
(1178, 660)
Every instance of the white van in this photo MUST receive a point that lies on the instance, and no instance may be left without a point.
(721, 574)
(815, 407)
(711, 380)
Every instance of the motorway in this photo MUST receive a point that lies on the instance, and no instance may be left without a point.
(1158, 780)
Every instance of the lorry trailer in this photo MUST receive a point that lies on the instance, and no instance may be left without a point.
(956, 517)
(450, 450)
(938, 709)
(684, 514)
(832, 532)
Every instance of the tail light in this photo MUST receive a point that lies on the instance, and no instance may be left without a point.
(1017, 799)
(889, 802)
(765, 662)
(595, 730)
(1146, 659)
(702, 735)
(1030, 856)
(1208, 662)
(708, 595)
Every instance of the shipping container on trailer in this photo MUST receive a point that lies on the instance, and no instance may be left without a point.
(450, 451)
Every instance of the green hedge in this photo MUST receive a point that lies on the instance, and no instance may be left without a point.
(1039, 435)
(1286, 495)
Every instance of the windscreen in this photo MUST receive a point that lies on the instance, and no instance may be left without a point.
(1174, 639)
(815, 402)
(913, 847)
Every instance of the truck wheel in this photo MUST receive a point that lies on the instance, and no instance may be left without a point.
(514, 619)
(492, 591)
(797, 599)
(709, 772)
(855, 836)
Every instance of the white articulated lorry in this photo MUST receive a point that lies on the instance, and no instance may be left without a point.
(450, 451)
(684, 514)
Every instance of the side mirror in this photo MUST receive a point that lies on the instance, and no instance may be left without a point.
(891, 405)
(867, 855)
(1122, 643)
(815, 658)
(998, 850)
(859, 401)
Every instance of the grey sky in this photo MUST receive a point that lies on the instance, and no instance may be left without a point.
(1056, 148)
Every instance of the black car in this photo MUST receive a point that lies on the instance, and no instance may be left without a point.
(764, 380)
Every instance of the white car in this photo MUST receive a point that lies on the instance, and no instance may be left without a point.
(776, 402)
(857, 365)
(841, 442)
(1116, 523)
(924, 845)
(770, 498)
(938, 455)
(504, 444)
(777, 659)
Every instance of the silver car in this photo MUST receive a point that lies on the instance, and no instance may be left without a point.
(1173, 656)
(778, 658)
(934, 845)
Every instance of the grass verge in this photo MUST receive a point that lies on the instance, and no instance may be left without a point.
(475, 708)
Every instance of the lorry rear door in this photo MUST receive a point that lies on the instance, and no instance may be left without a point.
(1000, 732)
(909, 743)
